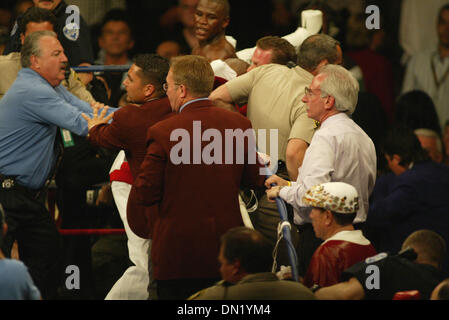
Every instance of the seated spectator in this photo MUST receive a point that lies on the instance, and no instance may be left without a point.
(168, 49)
(415, 110)
(431, 142)
(116, 42)
(381, 276)
(15, 281)
(441, 292)
(272, 49)
(334, 207)
(416, 198)
(245, 259)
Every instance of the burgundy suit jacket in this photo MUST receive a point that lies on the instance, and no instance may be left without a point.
(128, 130)
(197, 203)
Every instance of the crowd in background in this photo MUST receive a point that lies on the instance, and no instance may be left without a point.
(402, 75)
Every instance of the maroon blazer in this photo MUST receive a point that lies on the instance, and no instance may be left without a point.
(128, 130)
(197, 203)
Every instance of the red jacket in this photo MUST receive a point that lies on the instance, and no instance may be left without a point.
(128, 130)
(196, 203)
(332, 258)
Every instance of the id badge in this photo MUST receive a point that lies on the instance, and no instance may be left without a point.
(67, 138)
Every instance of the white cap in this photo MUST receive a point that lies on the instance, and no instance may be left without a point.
(338, 197)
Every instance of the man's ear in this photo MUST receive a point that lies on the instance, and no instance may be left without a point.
(329, 103)
(236, 265)
(226, 23)
(183, 90)
(396, 159)
(329, 217)
(34, 62)
(22, 38)
(131, 44)
(318, 67)
(148, 90)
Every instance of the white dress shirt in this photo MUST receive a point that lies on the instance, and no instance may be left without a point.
(340, 151)
(419, 76)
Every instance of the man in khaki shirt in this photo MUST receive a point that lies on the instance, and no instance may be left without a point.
(37, 19)
(274, 94)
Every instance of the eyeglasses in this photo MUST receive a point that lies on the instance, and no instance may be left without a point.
(165, 86)
(309, 92)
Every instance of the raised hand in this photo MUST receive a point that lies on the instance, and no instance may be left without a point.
(97, 119)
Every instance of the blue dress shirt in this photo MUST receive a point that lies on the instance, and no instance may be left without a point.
(30, 114)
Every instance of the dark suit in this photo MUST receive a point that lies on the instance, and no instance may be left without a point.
(417, 199)
(197, 203)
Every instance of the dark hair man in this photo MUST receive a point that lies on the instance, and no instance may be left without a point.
(271, 49)
(116, 41)
(245, 259)
(181, 188)
(414, 198)
(127, 131)
(211, 19)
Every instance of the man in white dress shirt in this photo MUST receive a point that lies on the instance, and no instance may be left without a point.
(428, 70)
(340, 151)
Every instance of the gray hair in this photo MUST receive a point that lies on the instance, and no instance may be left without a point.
(31, 46)
(340, 84)
(317, 48)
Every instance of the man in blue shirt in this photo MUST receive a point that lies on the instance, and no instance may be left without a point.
(30, 114)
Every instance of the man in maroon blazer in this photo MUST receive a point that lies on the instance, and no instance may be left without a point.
(193, 176)
(127, 131)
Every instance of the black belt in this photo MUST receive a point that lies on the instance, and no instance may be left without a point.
(10, 183)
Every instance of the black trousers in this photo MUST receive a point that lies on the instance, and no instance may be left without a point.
(30, 223)
(307, 245)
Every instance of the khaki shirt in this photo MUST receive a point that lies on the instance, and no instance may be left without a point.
(10, 66)
(273, 93)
